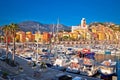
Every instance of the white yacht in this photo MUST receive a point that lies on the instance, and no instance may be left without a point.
(108, 67)
(74, 66)
(61, 62)
(89, 68)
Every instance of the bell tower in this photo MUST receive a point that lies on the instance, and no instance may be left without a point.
(83, 23)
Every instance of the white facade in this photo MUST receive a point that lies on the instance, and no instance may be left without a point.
(75, 28)
(82, 26)
(83, 23)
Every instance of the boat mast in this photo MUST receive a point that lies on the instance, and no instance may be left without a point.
(57, 30)
(37, 43)
(53, 30)
(53, 35)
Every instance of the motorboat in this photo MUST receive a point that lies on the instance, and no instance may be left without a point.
(74, 66)
(89, 68)
(107, 68)
(70, 51)
(61, 63)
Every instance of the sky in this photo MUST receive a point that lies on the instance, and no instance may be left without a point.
(69, 12)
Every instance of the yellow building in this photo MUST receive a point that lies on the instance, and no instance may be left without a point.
(17, 38)
(82, 29)
(88, 36)
(22, 36)
(38, 36)
(94, 29)
(65, 34)
(28, 36)
(101, 35)
(74, 35)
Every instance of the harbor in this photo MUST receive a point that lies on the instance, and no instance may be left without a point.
(59, 40)
(62, 60)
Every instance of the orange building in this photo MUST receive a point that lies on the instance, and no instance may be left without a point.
(33, 37)
(46, 37)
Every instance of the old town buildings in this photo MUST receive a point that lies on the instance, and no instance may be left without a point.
(82, 32)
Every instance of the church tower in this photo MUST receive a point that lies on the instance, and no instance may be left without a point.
(83, 23)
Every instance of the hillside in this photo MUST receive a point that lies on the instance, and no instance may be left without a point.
(35, 26)
(113, 26)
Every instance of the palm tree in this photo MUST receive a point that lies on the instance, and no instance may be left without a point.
(6, 30)
(13, 29)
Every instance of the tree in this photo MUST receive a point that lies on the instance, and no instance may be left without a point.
(13, 29)
(6, 30)
(65, 38)
(1, 38)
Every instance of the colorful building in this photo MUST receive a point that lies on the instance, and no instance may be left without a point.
(22, 36)
(101, 35)
(29, 36)
(17, 38)
(46, 37)
(38, 36)
(8, 39)
(81, 29)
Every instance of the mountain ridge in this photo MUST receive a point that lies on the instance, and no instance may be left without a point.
(35, 26)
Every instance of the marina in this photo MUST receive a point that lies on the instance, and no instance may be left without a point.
(81, 62)
(59, 40)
